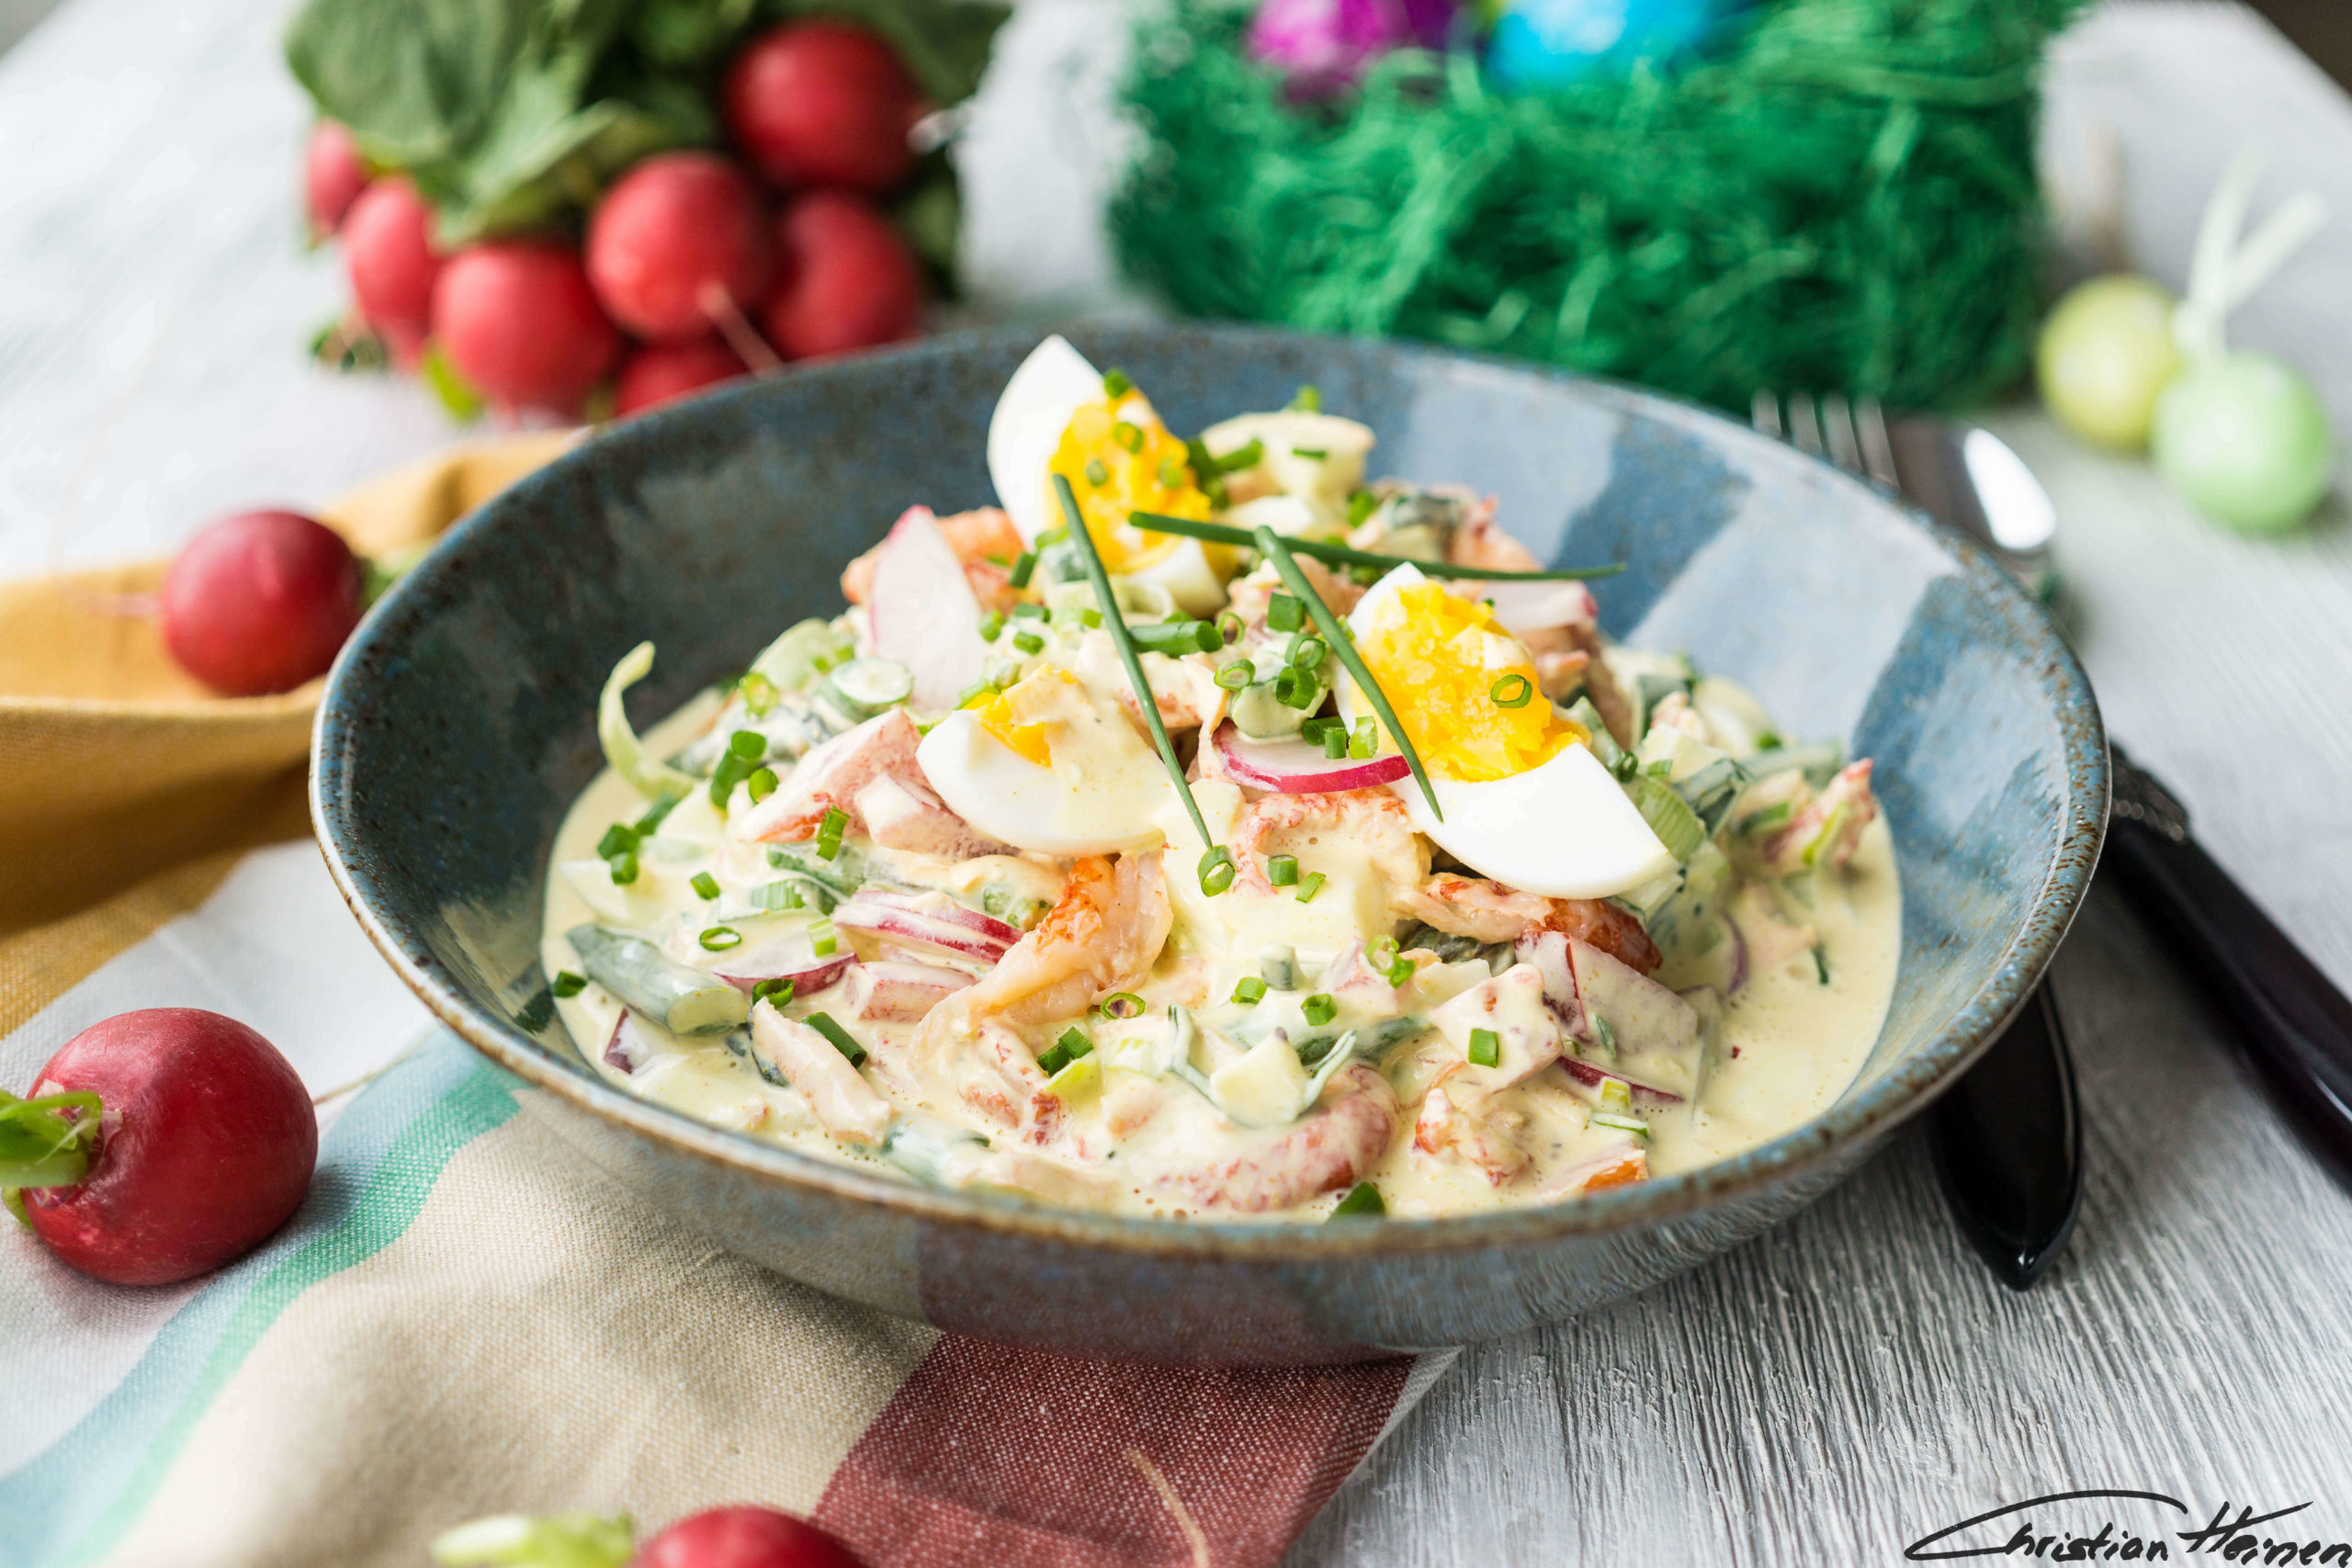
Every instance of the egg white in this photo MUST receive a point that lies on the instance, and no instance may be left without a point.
(1092, 810)
(1032, 414)
(1565, 829)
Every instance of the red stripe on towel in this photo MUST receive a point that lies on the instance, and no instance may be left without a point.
(996, 1457)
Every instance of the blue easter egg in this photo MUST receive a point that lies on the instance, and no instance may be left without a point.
(1549, 43)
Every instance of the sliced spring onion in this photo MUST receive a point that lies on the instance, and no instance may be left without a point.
(704, 884)
(1604, 1034)
(1320, 1009)
(748, 744)
(1676, 825)
(991, 625)
(1231, 626)
(824, 1024)
(1307, 652)
(869, 685)
(1486, 1048)
(1634, 1126)
(778, 991)
(1072, 1046)
(1129, 436)
(622, 867)
(567, 983)
(1026, 567)
(1282, 870)
(1121, 1004)
(1310, 887)
(824, 939)
(719, 939)
(1029, 643)
(1248, 455)
(1362, 1203)
(1616, 1094)
(1283, 614)
(1335, 744)
(1361, 507)
(1342, 555)
(761, 784)
(1513, 691)
(1096, 474)
(1272, 546)
(1146, 701)
(1249, 990)
(1364, 743)
(1312, 454)
(1234, 675)
(1116, 384)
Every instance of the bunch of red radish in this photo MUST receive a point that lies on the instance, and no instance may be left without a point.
(687, 276)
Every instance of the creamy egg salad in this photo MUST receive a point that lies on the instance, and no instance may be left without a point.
(928, 889)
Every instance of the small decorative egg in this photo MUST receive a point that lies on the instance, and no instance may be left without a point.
(2247, 440)
(1538, 44)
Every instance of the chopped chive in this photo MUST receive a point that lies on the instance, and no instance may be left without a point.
(1320, 1009)
(1366, 741)
(1072, 1044)
(1171, 472)
(1512, 690)
(1230, 628)
(719, 939)
(1335, 744)
(1129, 436)
(1028, 610)
(1307, 652)
(761, 784)
(832, 825)
(1282, 870)
(1640, 1129)
(1343, 554)
(1240, 458)
(757, 692)
(618, 839)
(824, 1024)
(1120, 1004)
(1249, 990)
(1146, 701)
(1486, 1048)
(1310, 887)
(1362, 1203)
(1361, 507)
(1299, 688)
(623, 867)
(567, 984)
(1217, 871)
(1821, 966)
(1308, 398)
(1029, 642)
(824, 939)
(1284, 614)
(1090, 617)
(1115, 384)
(704, 884)
(1022, 567)
(1604, 1034)
(991, 625)
(748, 744)
(1312, 454)
(1273, 547)
(1313, 730)
(778, 991)
(1234, 675)
(1096, 474)
(1616, 1094)
(1178, 637)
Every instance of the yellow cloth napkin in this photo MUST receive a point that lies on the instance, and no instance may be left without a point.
(115, 765)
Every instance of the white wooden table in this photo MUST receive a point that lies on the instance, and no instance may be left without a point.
(1826, 1394)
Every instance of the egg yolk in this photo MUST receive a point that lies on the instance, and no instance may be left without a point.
(1441, 660)
(1021, 716)
(1119, 458)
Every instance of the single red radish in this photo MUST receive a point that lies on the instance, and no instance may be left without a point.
(387, 252)
(260, 602)
(744, 1537)
(1296, 766)
(518, 320)
(206, 1144)
(822, 103)
(845, 280)
(677, 238)
(333, 174)
(657, 373)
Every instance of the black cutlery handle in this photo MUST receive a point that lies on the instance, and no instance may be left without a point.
(2008, 1140)
(2295, 1025)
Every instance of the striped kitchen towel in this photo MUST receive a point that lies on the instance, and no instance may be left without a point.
(465, 1318)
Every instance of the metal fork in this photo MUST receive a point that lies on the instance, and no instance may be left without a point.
(2008, 1138)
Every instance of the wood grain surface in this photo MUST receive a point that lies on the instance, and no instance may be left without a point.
(1824, 1395)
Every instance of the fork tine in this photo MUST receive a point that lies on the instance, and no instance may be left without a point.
(1837, 430)
(1878, 447)
(1764, 413)
(1804, 424)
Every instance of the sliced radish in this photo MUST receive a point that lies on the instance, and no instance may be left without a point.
(888, 991)
(628, 1049)
(951, 931)
(923, 612)
(1594, 1077)
(1525, 608)
(1299, 767)
(791, 957)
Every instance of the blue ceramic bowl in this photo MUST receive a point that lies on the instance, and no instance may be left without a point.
(459, 724)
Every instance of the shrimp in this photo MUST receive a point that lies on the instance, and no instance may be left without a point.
(1489, 911)
(1250, 595)
(1372, 827)
(1103, 936)
(1829, 829)
(1462, 1120)
(975, 536)
(1334, 1147)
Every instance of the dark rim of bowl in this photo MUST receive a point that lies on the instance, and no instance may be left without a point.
(1860, 1117)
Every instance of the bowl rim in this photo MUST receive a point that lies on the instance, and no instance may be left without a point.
(1855, 1121)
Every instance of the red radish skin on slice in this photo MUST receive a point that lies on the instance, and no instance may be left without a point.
(891, 991)
(1299, 767)
(1594, 1077)
(921, 928)
(792, 958)
(830, 776)
(922, 611)
(627, 1047)
(938, 907)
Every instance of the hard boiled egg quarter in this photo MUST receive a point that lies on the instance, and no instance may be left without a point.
(1048, 766)
(1057, 416)
(1525, 801)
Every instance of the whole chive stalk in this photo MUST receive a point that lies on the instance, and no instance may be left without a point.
(1275, 548)
(1116, 625)
(1343, 554)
